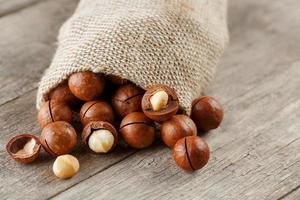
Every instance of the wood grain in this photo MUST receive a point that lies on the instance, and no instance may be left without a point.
(10, 6)
(36, 181)
(258, 158)
(255, 153)
(293, 194)
(27, 43)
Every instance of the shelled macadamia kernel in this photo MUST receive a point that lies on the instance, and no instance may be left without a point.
(65, 166)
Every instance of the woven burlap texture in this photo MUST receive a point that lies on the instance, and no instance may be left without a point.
(177, 43)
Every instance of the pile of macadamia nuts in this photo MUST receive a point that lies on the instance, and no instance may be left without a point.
(110, 109)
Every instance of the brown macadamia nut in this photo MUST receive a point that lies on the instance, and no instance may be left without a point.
(58, 138)
(87, 85)
(137, 130)
(117, 80)
(52, 111)
(191, 153)
(177, 127)
(127, 99)
(62, 94)
(160, 102)
(96, 111)
(207, 113)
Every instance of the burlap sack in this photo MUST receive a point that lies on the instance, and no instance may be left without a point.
(174, 42)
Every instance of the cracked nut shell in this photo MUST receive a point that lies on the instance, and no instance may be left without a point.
(177, 127)
(165, 113)
(16, 145)
(58, 138)
(127, 99)
(52, 111)
(98, 125)
(191, 153)
(96, 111)
(207, 113)
(86, 85)
(137, 130)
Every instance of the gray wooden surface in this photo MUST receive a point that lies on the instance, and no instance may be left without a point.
(255, 153)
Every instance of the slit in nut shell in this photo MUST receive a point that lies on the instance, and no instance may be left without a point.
(96, 111)
(191, 153)
(127, 99)
(58, 138)
(137, 130)
(52, 111)
(160, 102)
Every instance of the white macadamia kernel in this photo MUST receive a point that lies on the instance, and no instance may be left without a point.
(65, 166)
(28, 148)
(159, 100)
(101, 141)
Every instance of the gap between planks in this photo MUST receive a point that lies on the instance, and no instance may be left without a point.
(289, 193)
(31, 35)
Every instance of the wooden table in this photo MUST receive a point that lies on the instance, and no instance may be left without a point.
(255, 153)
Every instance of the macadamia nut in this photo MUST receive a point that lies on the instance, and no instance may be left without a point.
(159, 100)
(28, 148)
(65, 166)
(101, 141)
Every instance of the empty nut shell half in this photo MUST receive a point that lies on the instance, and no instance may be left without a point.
(93, 126)
(58, 138)
(24, 148)
(137, 130)
(96, 111)
(168, 110)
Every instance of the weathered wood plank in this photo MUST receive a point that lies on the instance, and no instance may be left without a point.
(256, 151)
(245, 82)
(27, 42)
(262, 44)
(33, 43)
(36, 181)
(9, 6)
(293, 194)
(259, 156)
